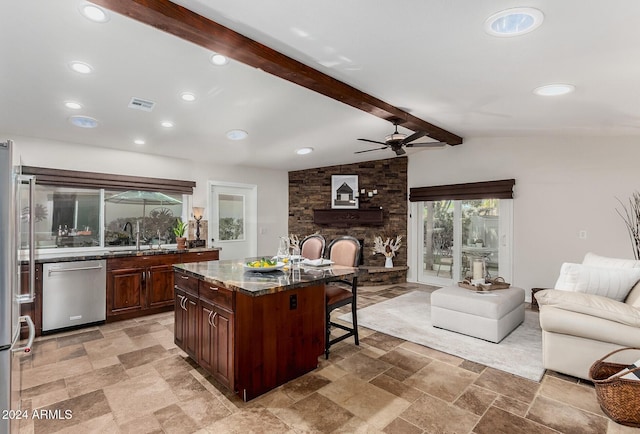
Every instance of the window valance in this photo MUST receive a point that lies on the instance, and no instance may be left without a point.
(73, 178)
(502, 189)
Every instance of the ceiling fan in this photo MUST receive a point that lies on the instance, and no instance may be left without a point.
(398, 141)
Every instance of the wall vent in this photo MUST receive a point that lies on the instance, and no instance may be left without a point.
(141, 104)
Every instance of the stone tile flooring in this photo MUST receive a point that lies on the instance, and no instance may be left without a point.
(129, 377)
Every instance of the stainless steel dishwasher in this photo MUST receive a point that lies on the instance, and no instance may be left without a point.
(73, 293)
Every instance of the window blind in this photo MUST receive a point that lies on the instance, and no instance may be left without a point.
(502, 189)
(72, 178)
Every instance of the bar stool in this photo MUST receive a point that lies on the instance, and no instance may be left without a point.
(343, 250)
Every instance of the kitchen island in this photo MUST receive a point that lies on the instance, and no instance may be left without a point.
(252, 331)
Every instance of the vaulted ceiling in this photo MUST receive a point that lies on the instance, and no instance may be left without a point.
(430, 63)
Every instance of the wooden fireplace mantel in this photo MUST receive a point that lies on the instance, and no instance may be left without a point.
(348, 217)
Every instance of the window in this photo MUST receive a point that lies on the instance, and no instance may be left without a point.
(231, 217)
(84, 210)
(461, 226)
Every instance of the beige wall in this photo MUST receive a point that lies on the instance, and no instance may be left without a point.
(272, 208)
(562, 186)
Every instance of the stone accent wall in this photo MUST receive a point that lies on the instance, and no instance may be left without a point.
(311, 189)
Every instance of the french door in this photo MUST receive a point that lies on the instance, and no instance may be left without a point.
(464, 238)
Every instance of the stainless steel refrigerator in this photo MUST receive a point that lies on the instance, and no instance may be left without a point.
(12, 211)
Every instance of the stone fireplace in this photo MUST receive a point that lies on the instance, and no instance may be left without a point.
(310, 190)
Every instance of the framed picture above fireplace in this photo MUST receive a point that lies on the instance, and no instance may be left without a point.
(344, 191)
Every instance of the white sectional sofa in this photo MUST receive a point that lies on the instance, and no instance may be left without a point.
(579, 326)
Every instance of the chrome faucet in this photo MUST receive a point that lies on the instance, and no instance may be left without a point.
(124, 228)
(137, 234)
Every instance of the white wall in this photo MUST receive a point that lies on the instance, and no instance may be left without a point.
(272, 208)
(563, 186)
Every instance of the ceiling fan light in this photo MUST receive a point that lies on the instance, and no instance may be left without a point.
(395, 137)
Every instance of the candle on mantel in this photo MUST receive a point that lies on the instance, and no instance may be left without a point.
(477, 270)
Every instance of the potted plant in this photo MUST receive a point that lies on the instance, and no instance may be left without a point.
(179, 230)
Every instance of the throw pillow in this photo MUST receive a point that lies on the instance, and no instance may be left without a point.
(594, 260)
(614, 283)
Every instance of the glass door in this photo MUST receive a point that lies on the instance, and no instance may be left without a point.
(456, 235)
(233, 222)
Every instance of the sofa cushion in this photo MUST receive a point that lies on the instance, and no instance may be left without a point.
(593, 260)
(594, 305)
(613, 283)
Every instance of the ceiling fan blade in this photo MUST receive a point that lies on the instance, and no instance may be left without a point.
(373, 141)
(369, 150)
(427, 145)
(414, 136)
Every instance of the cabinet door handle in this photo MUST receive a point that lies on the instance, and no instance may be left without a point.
(181, 298)
(213, 288)
(184, 303)
(210, 319)
(184, 277)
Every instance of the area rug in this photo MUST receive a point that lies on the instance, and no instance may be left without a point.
(409, 317)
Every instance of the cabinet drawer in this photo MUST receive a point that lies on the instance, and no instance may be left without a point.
(210, 255)
(218, 296)
(185, 282)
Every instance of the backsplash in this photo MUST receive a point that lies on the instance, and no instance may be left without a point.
(311, 189)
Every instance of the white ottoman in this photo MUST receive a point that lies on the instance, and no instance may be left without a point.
(486, 315)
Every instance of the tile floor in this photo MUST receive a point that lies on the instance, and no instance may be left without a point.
(129, 377)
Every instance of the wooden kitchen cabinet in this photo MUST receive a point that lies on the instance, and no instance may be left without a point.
(126, 290)
(143, 285)
(186, 322)
(139, 285)
(216, 333)
(34, 308)
(204, 326)
(160, 285)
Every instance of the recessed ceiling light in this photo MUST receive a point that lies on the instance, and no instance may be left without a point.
(73, 105)
(187, 96)
(167, 124)
(139, 141)
(513, 22)
(304, 151)
(94, 13)
(237, 134)
(554, 89)
(81, 67)
(219, 59)
(83, 121)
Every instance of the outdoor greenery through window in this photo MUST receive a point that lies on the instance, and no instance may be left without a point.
(67, 217)
(475, 223)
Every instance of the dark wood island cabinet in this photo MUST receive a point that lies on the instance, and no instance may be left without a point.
(253, 331)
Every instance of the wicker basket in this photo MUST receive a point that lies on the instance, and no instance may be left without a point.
(618, 397)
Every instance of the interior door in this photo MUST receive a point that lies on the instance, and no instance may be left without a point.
(234, 219)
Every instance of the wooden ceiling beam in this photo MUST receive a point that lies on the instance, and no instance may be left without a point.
(185, 24)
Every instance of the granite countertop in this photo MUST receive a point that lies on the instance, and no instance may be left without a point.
(230, 274)
(93, 255)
